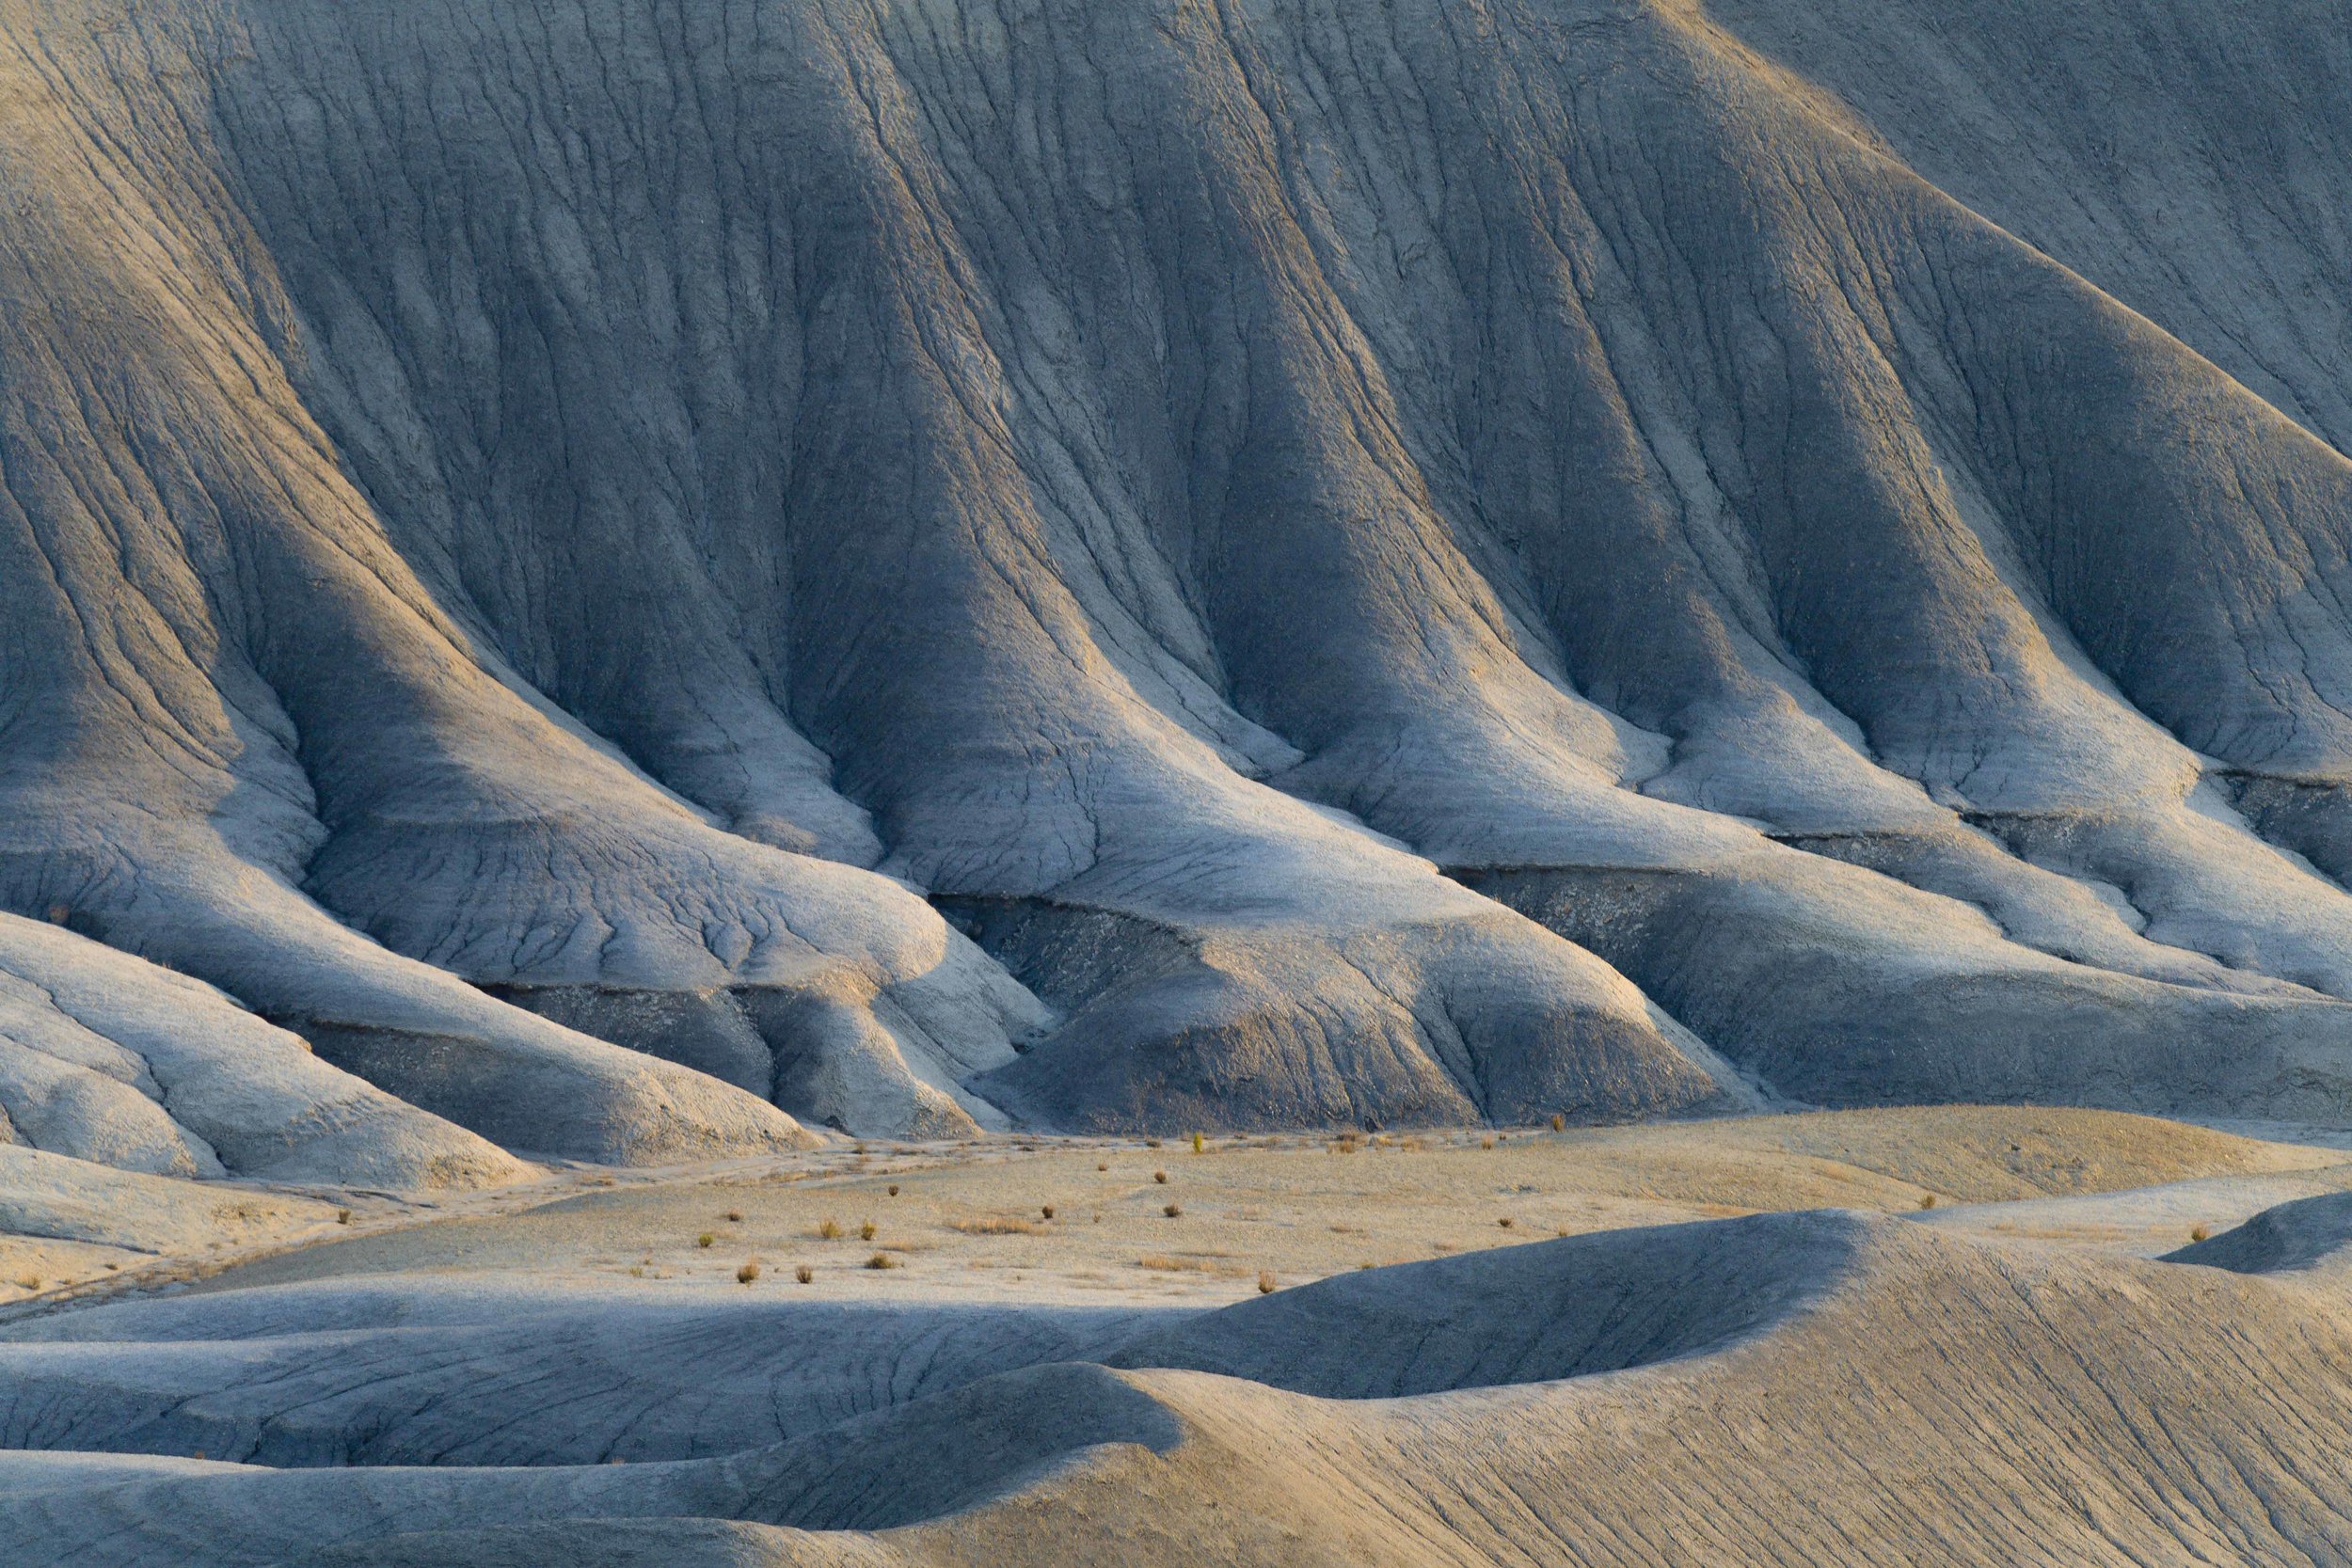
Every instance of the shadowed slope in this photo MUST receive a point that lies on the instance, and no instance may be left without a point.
(408, 1373)
(112, 1060)
(2307, 1233)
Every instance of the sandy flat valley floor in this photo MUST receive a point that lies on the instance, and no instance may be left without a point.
(971, 1221)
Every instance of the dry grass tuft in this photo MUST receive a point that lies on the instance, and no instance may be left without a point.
(1505, 1221)
(704, 1240)
(735, 1216)
(893, 1189)
(997, 1225)
(343, 1216)
(1173, 1210)
(2197, 1233)
(866, 1231)
(1559, 1123)
(804, 1273)
(1927, 1200)
(1266, 1283)
(1161, 1177)
(1048, 1210)
(1198, 1143)
(1163, 1263)
(1487, 1143)
(1101, 1164)
(748, 1272)
(829, 1228)
(882, 1261)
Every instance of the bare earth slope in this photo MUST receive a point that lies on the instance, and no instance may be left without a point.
(642, 575)
(1820, 1387)
(1070, 1360)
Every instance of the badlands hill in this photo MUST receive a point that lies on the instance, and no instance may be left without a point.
(754, 589)
(625, 581)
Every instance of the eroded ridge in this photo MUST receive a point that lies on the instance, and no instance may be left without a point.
(647, 580)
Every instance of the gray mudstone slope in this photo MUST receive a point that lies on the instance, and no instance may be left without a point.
(1815, 1388)
(643, 576)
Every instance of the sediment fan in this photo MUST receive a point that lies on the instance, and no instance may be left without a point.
(643, 576)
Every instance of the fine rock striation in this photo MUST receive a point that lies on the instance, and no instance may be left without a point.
(113, 1061)
(1787, 1388)
(643, 576)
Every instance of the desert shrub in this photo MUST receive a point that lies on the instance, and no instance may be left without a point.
(1505, 1222)
(735, 1216)
(1161, 1177)
(1173, 1210)
(2197, 1233)
(882, 1261)
(343, 1216)
(804, 1273)
(893, 1189)
(748, 1272)
(866, 1231)
(1487, 1142)
(829, 1228)
(1048, 1210)
(1927, 1200)
(1559, 1123)
(1198, 1143)
(1266, 1283)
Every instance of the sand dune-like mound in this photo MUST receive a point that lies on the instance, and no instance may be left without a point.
(641, 578)
(426, 1375)
(1783, 1388)
(2307, 1233)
